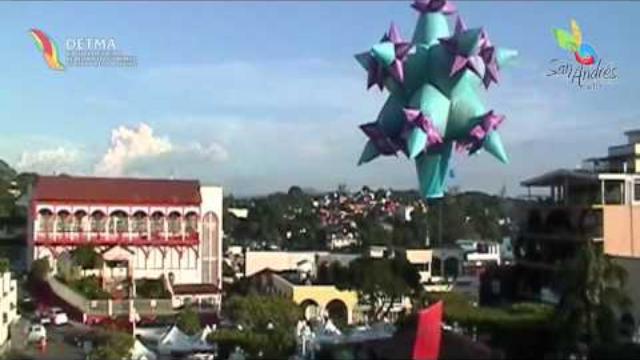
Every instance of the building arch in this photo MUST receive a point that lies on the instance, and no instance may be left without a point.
(118, 222)
(46, 220)
(98, 221)
(337, 311)
(174, 223)
(64, 221)
(310, 309)
(191, 223)
(79, 220)
(139, 222)
(157, 223)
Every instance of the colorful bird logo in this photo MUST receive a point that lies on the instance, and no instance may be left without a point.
(48, 48)
(585, 54)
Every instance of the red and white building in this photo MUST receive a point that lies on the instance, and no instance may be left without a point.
(158, 227)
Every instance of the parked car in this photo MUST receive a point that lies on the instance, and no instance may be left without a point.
(200, 356)
(58, 316)
(43, 319)
(36, 333)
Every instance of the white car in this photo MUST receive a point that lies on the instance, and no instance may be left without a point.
(200, 356)
(58, 316)
(42, 316)
(36, 333)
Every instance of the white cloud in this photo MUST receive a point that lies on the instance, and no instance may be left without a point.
(129, 144)
(49, 161)
(138, 151)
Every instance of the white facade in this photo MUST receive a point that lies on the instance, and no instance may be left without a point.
(8, 305)
(339, 241)
(256, 261)
(485, 253)
(183, 243)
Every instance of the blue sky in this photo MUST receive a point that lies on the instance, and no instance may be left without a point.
(258, 96)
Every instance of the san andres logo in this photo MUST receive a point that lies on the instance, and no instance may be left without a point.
(82, 52)
(589, 71)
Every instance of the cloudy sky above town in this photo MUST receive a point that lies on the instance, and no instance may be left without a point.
(259, 96)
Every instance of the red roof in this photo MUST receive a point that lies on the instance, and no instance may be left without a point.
(124, 191)
(193, 289)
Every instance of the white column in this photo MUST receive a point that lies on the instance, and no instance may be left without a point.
(129, 218)
(166, 228)
(107, 225)
(55, 225)
(182, 227)
(148, 227)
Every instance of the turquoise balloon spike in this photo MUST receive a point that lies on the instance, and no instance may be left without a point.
(435, 94)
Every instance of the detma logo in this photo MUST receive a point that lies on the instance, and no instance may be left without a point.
(48, 48)
(584, 53)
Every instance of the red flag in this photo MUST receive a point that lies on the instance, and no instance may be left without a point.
(428, 335)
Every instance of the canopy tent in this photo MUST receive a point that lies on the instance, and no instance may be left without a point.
(175, 341)
(141, 352)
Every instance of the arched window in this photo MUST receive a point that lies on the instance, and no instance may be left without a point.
(139, 223)
(119, 222)
(157, 224)
(64, 221)
(174, 224)
(46, 220)
(98, 222)
(78, 220)
(191, 223)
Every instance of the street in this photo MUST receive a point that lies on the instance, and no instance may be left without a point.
(61, 344)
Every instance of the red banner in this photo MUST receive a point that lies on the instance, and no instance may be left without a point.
(428, 335)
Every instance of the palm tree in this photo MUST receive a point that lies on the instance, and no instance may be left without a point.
(592, 287)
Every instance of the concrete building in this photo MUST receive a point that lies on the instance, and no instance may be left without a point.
(442, 270)
(620, 158)
(170, 228)
(256, 261)
(316, 300)
(481, 253)
(8, 305)
(599, 204)
(621, 227)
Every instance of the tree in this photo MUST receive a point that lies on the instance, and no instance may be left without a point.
(267, 324)
(112, 346)
(86, 257)
(256, 312)
(40, 269)
(295, 192)
(152, 289)
(372, 232)
(189, 321)
(592, 288)
(4, 265)
(379, 282)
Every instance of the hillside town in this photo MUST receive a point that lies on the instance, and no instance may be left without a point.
(150, 258)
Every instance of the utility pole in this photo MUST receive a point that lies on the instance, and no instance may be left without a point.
(440, 222)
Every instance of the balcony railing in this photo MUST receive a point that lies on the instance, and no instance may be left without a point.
(126, 239)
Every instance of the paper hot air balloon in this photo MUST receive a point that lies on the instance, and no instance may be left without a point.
(434, 105)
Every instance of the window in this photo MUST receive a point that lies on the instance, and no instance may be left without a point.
(636, 190)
